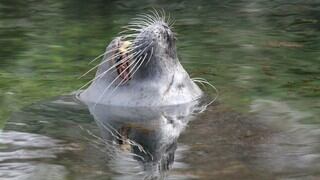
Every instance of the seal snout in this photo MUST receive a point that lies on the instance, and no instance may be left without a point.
(141, 67)
(146, 49)
(158, 32)
(158, 36)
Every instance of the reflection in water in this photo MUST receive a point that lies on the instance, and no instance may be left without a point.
(250, 50)
(135, 143)
(141, 142)
(28, 147)
(294, 148)
(32, 171)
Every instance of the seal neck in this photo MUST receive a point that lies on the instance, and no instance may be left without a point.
(161, 64)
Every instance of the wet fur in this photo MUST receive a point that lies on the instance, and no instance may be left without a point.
(159, 80)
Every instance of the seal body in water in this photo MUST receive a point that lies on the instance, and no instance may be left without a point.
(141, 68)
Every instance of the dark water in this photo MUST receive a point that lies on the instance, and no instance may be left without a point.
(263, 57)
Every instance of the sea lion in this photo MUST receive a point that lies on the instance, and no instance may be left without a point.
(141, 68)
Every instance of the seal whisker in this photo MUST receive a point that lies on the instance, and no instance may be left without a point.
(115, 56)
(103, 73)
(145, 47)
(150, 56)
(169, 17)
(156, 14)
(98, 142)
(126, 31)
(155, 18)
(104, 61)
(140, 52)
(118, 54)
(147, 17)
(130, 71)
(141, 22)
(108, 127)
(142, 19)
(93, 135)
(111, 130)
(97, 147)
(104, 53)
(194, 80)
(94, 141)
(118, 136)
(105, 90)
(136, 55)
(159, 15)
(122, 61)
(141, 60)
(202, 80)
(130, 35)
(110, 58)
(134, 26)
(172, 23)
(132, 62)
(136, 62)
(163, 14)
(140, 63)
(118, 77)
(133, 29)
(141, 26)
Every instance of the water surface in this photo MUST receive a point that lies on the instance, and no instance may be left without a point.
(263, 56)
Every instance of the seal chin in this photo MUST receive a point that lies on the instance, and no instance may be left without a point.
(141, 68)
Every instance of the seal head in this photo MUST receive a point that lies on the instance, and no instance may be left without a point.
(141, 68)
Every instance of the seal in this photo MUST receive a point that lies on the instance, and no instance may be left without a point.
(141, 68)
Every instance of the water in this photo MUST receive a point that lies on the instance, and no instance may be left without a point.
(263, 56)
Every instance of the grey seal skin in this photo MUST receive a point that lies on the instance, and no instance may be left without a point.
(147, 73)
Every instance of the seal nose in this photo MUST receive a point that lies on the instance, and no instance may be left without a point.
(166, 31)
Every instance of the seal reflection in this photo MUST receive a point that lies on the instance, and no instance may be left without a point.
(141, 142)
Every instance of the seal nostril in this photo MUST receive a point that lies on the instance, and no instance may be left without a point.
(167, 35)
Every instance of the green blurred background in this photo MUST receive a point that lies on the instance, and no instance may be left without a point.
(248, 49)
